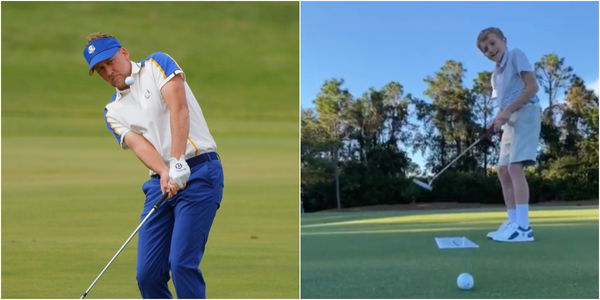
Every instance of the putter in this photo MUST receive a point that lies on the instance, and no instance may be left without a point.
(158, 203)
(428, 186)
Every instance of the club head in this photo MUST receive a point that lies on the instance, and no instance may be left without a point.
(422, 184)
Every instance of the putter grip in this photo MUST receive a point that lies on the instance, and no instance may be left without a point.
(488, 131)
(161, 200)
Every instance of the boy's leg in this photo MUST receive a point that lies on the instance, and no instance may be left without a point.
(507, 192)
(505, 181)
(154, 240)
(506, 148)
(524, 129)
(527, 125)
(509, 201)
(521, 193)
(519, 231)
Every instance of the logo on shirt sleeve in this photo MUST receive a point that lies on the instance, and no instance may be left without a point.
(147, 94)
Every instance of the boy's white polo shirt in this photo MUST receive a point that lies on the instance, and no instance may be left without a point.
(507, 83)
(142, 109)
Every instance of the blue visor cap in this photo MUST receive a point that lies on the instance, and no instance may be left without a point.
(99, 50)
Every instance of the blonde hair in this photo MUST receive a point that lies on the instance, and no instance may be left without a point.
(97, 35)
(483, 35)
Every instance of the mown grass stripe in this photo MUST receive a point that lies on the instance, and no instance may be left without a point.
(462, 217)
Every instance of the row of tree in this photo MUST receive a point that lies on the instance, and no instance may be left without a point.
(355, 150)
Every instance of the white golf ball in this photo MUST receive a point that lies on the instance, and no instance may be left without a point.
(129, 80)
(465, 281)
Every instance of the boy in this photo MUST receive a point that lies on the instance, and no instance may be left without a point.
(514, 90)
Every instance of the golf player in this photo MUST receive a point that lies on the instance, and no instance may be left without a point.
(154, 113)
(514, 90)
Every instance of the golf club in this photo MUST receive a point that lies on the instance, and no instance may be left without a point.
(428, 186)
(158, 203)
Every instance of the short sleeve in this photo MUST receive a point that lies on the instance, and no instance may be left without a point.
(117, 128)
(163, 67)
(521, 62)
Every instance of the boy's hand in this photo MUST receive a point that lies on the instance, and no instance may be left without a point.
(501, 119)
(488, 132)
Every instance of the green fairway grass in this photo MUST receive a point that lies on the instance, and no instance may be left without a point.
(393, 254)
(70, 196)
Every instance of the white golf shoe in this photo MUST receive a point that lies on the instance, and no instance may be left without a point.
(513, 233)
(500, 229)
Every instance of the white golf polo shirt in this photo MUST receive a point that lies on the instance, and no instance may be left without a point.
(507, 83)
(142, 109)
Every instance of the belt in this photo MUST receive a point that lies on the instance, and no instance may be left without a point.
(196, 160)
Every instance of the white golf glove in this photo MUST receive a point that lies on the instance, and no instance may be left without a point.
(179, 171)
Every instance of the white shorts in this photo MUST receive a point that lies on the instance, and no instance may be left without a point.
(520, 136)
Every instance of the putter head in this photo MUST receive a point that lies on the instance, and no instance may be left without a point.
(422, 184)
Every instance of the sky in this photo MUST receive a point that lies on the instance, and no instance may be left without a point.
(369, 44)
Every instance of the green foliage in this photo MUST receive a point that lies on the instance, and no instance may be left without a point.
(347, 137)
(565, 188)
(374, 170)
(570, 164)
(457, 186)
(449, 119)
(483, 109)
(552, 75)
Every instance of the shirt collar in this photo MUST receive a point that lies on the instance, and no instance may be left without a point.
(135, 68)
(504, 59)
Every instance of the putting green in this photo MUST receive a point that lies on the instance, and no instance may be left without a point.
(392, 254)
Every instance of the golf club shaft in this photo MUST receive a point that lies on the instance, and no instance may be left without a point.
(453, 161)
(164, 196)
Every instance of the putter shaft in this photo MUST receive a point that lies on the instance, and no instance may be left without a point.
(454, 160)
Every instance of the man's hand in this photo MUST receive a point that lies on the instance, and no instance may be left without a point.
(179, 171)
(167, 185)
(146, 152)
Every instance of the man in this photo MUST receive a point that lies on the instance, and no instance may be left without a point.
(154, 113)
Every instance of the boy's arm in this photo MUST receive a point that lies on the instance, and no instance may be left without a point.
(531, 88)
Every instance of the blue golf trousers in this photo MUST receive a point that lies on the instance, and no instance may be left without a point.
(174, 237)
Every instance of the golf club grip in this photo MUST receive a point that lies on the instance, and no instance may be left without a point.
(161, 200)
(488, 131)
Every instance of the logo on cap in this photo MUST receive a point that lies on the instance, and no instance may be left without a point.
(91, 49)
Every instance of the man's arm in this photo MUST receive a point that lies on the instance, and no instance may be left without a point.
(173, 93)
(148, 155)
